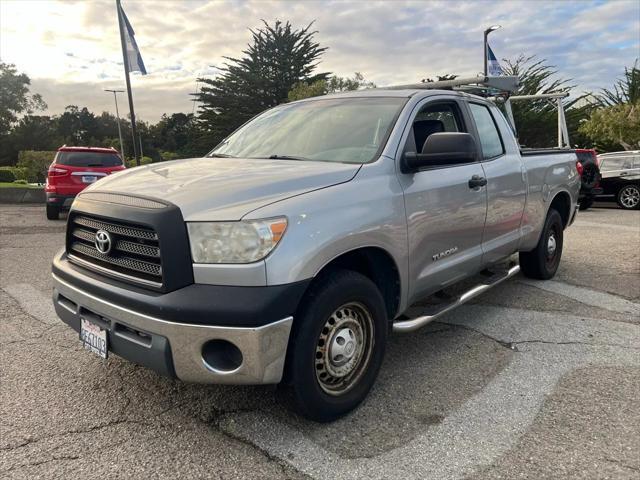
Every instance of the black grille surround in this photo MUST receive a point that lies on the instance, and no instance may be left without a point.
(149, 247)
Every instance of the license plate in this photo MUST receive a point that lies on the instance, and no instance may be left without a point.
(89, 178)
(93, 338)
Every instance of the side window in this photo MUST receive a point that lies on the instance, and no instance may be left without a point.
(441, 117)
(612, 164)
(488, 131)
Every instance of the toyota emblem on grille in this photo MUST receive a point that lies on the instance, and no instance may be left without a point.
(103, 241)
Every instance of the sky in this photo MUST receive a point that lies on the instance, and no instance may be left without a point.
(71, 49)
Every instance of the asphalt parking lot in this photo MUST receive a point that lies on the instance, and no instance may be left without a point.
(532, 380)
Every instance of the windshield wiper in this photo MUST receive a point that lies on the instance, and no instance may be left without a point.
(286, 157)
(220, 155)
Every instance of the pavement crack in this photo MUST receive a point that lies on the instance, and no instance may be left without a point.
(42, 462)
(216, 422)
(508, 345)
(622, 464)
(514, 345)
(576, 342)
(94, 428)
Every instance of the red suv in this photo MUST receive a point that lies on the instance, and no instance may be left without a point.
(72, 170)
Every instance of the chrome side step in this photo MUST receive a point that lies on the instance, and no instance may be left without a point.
(413, 324)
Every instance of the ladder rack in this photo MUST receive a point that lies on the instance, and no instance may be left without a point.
(502, 83)
(554, 98)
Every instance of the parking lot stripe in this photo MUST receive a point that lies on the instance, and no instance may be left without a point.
(587, 296)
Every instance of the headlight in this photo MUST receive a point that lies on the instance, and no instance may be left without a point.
(234, 242)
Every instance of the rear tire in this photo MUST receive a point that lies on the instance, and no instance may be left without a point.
(629, 197)
(337, 345)
(586, 203)
(542, 262)
(53, 212)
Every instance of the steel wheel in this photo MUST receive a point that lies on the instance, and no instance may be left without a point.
(344, 348)
(552, 247)
(629, 196)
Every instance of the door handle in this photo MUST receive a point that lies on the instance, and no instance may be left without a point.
(477, 181)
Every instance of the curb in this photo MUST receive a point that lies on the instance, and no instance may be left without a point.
(22, 195)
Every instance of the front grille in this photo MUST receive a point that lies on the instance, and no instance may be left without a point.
(134, 254)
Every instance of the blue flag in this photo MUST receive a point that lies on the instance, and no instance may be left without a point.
(134, 59)
(493, 66)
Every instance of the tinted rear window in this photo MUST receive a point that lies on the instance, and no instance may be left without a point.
(88, 159)
(585, 157)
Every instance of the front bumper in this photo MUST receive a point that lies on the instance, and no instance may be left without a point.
(177, 349)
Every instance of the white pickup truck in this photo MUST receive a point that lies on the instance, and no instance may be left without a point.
(291, 251)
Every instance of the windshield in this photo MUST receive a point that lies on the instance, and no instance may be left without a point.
(349, 130)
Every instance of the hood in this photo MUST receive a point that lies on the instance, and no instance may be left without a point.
(212, 189)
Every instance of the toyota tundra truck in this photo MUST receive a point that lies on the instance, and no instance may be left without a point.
(291, 251)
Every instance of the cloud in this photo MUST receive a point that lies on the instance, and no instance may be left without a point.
(390, 42)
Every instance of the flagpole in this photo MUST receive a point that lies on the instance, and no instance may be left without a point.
(125, 58)
(486, 46)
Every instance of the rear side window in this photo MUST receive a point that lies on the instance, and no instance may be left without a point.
(88, 159)
(585, 157)
(616, 163)
(488, 131)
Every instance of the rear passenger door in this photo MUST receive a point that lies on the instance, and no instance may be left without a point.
(445, 215)
(618, 169)
(506, 182)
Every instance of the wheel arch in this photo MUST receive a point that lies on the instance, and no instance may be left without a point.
(561, 202)
(378, 265)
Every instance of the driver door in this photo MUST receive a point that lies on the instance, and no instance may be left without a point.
(445, 215)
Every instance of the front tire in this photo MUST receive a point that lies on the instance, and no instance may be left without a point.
(629, 197)
(53, 212)
(542, 262)
(337, 345)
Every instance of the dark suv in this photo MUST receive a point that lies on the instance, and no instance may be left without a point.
(621, 177)
(590, 174)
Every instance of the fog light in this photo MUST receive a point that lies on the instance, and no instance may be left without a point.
(221, 356)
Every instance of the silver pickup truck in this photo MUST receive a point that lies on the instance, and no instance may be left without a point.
(291, 251)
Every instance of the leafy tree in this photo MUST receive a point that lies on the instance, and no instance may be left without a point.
(277, 58)
(625, 90)
(15, 98)
(171, 133)
(77, 126)
(617, 122)
(333, 84)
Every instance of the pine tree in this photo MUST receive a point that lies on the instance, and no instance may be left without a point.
(277, 58)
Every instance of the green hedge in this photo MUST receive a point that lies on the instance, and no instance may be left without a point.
(6, 174)
(36, 164)
(144, 161)
(18, 173)
(169, 156)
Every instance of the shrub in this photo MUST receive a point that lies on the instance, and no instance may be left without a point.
(36, 164)
(165, 156)
(143, 161)
(6, 174)
(20, 173)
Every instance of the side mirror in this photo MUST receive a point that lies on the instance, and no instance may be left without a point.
(442, 149)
